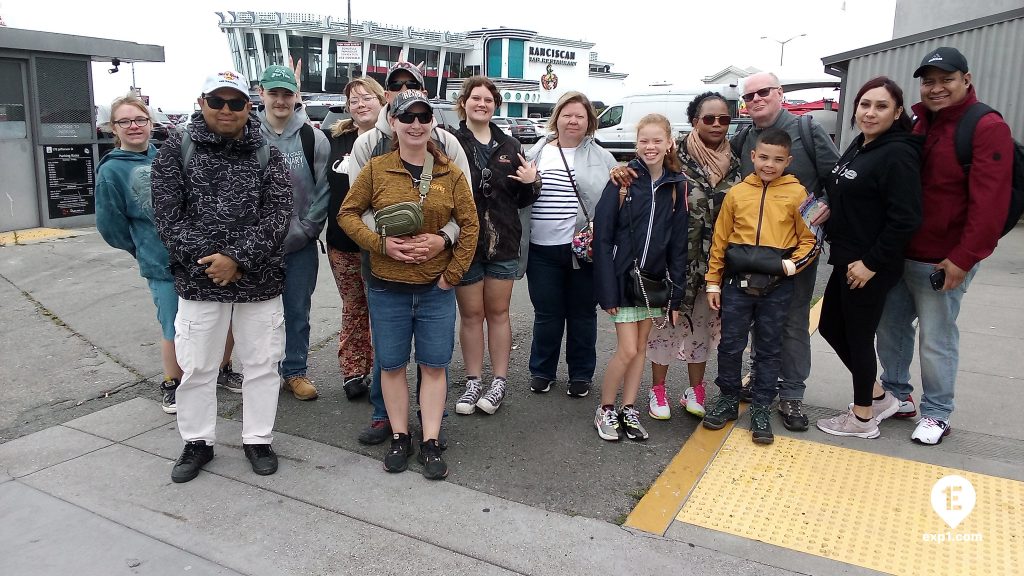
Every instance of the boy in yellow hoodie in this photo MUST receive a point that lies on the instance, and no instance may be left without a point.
(760, 241)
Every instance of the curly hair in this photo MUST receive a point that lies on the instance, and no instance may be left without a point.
(693, 109)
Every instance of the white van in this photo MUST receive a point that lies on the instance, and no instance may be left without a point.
(616, 126)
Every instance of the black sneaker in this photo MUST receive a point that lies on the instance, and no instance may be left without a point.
(747, 391)
(442, 435)
(228, 379)
(262, 458)
(356, 386)
(578, 388)
(761, 424)
(793, 417)
(378, 431)
(193, 457)
(434, 466)
(168, 388)
(540, 385)
(722, 409)
(397, 458)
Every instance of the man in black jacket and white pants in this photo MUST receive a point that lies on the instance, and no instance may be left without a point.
(223, 210)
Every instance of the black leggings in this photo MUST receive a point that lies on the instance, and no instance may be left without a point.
(849, 319)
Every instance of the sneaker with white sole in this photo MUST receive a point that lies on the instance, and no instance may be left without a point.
(467, 402)
(847, 424)
(658, 407)
(907, 408)
(492, 399)
(930, 431)
(168, 389)
(693, 399)
(629, 419)
(607, 424)
(230, 380)
(884, 408)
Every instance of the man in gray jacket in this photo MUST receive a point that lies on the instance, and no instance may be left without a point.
(284, 125)
(812, 163)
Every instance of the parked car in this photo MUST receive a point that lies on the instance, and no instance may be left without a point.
(503, 123)
(316, 113)
(737, 124)
(524, 130)
(325, 99)
(541, 125)
(334, 114)
(445, 115)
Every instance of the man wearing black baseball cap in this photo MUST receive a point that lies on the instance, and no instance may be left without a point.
(965, 216)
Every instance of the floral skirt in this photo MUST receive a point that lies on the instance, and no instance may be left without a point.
(691, 340)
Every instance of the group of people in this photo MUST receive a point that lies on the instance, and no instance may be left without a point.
(692, 246)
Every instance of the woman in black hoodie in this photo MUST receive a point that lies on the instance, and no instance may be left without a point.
(875, 193)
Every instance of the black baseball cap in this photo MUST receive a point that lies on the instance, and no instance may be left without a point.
(943, 58)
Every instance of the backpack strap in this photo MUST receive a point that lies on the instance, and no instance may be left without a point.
(383, 146)
(963, 138)
(308, 146)
(188, 148)
(804, 127)
(263, 156)
(739, 140)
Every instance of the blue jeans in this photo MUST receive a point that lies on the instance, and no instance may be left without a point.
(768, 314)
(563, 302)
(300, 270)
(936, 312)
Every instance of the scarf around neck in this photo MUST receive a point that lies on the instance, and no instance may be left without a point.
(716, 161)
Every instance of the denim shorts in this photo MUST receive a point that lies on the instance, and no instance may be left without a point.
(399, 318)
(166, 300)
(499, 270)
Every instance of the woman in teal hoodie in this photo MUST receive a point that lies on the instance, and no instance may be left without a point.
(124, 217)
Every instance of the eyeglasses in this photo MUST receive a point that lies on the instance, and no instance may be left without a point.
(126, 123)
(234, 104)
(408, 117)
(367, 100)
(485, 182)
(709, 119)
(396, 85)
(763, 93)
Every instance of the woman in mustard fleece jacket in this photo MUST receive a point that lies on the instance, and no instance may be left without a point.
(408, 295)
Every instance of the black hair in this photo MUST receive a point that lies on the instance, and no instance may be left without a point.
(694, 107)
(903, 122)
(775, 137)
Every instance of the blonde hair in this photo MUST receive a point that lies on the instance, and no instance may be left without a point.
(371, 87)
(671, 161)
(570, 98)
(129, 99)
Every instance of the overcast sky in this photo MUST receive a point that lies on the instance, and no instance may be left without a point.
(678, 41)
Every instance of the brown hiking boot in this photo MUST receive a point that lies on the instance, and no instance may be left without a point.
(301, 387)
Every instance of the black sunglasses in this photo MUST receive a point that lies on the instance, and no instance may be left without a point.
(709, 119)
(234, 104)
(485, 182)
(396, 85)
(763, 93)
(408, 117)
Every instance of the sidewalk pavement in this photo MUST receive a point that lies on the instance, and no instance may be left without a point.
(86, 454)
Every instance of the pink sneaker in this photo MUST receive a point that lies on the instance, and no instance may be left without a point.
(658, 403)
(693, 399)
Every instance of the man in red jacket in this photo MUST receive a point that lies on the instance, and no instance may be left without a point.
(963, 216)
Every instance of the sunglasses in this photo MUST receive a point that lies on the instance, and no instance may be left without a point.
(408, 117)
(234, 104)
(763, 93)
(709, 119)
(396, 85)
(485, 182)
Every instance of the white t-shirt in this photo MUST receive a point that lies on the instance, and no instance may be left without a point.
(553, 218)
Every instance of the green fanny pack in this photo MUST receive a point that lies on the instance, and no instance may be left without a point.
(406, 218)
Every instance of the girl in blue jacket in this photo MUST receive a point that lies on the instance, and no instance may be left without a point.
(643, 226)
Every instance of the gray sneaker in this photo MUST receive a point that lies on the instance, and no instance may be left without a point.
(847, 424)
(793, 417)
(467, 402)
(884, 408)
(607, 424)
(491, 401)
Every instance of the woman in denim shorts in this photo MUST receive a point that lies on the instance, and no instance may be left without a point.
(503, 183)
(410, 294)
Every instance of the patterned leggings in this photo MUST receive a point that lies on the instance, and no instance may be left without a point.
(355, 351)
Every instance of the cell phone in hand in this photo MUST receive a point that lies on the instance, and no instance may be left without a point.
(937, 279)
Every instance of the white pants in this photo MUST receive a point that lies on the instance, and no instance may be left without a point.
(200, 332)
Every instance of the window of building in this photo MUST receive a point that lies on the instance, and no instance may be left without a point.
(455, 66)
(429, 58)
(516, 57)
(382, 57)
(272, 48)
(252, 58)
(309, 50)
(12, 102)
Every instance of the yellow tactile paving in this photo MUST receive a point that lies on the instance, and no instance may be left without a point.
(855, 507)
(34, 235)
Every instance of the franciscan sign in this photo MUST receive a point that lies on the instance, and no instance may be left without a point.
(552, 56)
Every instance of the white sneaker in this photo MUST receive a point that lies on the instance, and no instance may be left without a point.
(930, 431)
(658, 407)
(847, 424)
(693, 400)
(491, 400)
(884, 408)
(467, 402)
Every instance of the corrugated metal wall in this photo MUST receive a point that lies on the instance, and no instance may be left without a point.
(994, 53)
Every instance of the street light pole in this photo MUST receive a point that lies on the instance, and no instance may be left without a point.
(782, 44)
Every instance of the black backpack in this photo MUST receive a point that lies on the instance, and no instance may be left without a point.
(963, 143)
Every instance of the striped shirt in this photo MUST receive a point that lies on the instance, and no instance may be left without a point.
(553, 219)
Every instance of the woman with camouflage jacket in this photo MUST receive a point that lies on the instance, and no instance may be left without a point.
(712, 169)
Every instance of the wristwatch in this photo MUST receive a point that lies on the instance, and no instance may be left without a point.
(447, 240)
